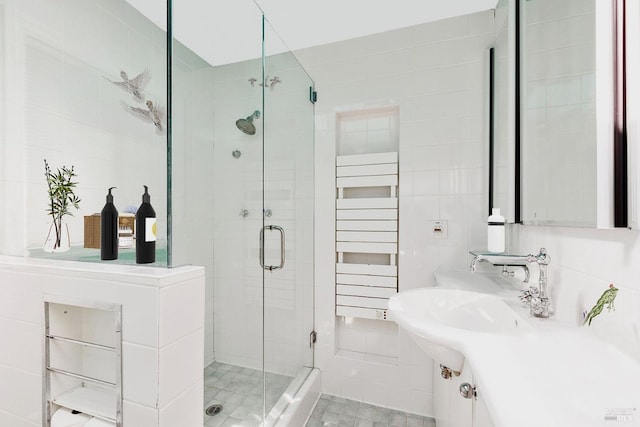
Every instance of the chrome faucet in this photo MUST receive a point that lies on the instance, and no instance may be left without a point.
(539, 299)
(504, 261)
(536, 298)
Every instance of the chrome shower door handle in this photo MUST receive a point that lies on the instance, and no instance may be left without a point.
(270, 228)
(281, 230)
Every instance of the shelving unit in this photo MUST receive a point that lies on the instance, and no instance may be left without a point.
(81, 339)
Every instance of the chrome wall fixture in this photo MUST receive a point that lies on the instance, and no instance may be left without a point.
(268, 82)
(246, 125)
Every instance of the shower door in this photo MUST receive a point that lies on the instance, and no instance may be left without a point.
(287, 233)
(242, 201)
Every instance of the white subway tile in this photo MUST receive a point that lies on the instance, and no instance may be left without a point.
(180, 366)
(139, 415)
(174, 321)
(351, 339)
(26, 296)
(13, 421)
(331, 384)
(186, 410)
(352, 388)
(141, 385)
(23, 401)
(420, 402)
(399, 398)
(427, 183)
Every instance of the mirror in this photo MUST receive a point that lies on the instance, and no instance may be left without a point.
(559, 145)
(557, 155)
(502, 133)
(574, 132)
(632, 42)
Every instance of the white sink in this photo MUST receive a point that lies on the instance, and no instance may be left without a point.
(442, 321)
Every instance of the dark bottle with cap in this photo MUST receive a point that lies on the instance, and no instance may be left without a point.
(109, 230)
(145, 231)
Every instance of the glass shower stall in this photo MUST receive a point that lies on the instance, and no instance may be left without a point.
(241, 197)
(202, 102)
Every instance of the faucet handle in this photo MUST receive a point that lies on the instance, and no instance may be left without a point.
(538, 304)
(528, 295)
(543, 257)
(539, 307)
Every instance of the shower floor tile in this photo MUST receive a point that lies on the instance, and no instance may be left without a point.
(333, 411)
(240, 392)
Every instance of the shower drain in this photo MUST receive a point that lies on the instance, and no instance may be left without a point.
(213, 410)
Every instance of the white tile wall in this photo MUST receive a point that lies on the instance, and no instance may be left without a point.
(180, 369)
(142, 384)
(156, 376)
(139, 415)
(22, 402)
(9, 420)
(584, 262)
(175, 321)
(29, 335)
(434, 74)
(186, 409)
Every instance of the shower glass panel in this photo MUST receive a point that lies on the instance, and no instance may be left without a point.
(288, 219)
(241, 186)
(75, 81)
(217, 193)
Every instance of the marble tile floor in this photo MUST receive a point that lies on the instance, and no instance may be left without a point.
(332, 411)
(240, 391)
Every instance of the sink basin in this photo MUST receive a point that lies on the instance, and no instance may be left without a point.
(443, 321)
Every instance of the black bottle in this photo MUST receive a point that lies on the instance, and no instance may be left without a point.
(109, 230)
(145, 231)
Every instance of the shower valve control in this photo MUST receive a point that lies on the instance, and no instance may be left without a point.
(467, 391)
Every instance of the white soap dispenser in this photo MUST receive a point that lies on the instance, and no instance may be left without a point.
(495, 232)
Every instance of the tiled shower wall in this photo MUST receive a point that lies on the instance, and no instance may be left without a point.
(213, 189)
(435, 75)
(286, 123)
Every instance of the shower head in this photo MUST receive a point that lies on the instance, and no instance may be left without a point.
(246, 125)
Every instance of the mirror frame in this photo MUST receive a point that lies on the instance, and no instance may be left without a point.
(511, 212)
(613, 208)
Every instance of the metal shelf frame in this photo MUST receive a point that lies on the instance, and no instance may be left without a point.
(94, 396)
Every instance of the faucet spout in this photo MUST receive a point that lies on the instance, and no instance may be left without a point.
(537, 299)
(500, 260)
(474, 263)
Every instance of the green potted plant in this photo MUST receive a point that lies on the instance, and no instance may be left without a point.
(61, 199)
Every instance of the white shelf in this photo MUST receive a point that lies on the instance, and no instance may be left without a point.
(71, 321)
(94, 401)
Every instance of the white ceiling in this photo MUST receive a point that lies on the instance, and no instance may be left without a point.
(224, 31)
